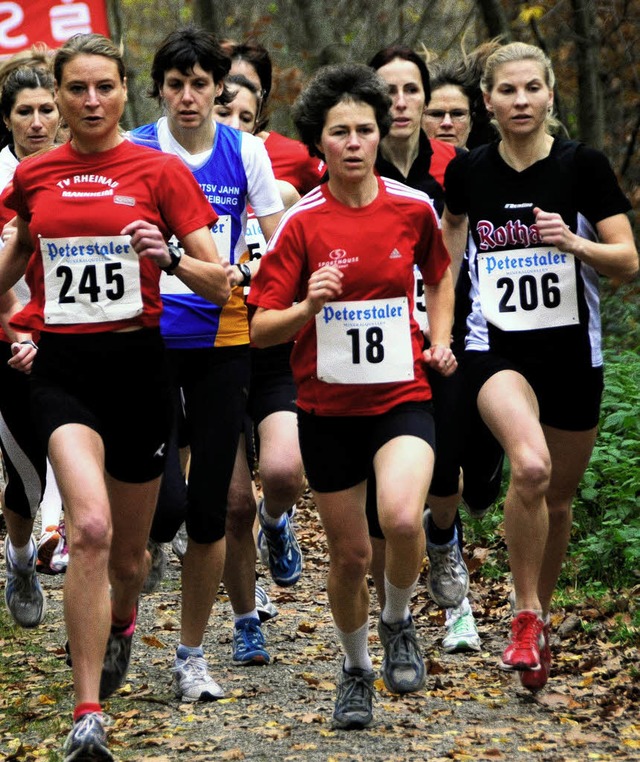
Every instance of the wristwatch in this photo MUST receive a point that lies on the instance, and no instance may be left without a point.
(246, 273)
(176, 255)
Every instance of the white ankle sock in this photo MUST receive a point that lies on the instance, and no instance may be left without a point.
(396, 607)
(356, 647)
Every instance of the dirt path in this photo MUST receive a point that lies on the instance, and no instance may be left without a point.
(469, 710)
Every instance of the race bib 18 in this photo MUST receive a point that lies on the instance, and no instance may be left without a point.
(90, 279)
(366, 342)
(528, 289)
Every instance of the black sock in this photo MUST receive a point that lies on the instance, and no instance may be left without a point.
(439, 536)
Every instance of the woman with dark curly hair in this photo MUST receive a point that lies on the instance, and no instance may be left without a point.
(338, 274)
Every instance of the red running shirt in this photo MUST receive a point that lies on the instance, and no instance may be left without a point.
(83, 276)
(376, 247)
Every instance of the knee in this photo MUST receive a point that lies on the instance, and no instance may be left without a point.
(401, 526)
(241, 511)
(351, 564)
(283, 483)
(531, 473)
(91, 535)
(559, 511)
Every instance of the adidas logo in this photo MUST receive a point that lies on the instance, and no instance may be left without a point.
(395, 254)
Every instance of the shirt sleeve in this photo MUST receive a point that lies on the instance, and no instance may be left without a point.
(432, 257)
(262, 189)
(16, 198)
(599, 195)
(454, 177)
(181, 201)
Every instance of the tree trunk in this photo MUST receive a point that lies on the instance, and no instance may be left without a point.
(206, 16)
(130, 117)
(590, 98)
(495, 19)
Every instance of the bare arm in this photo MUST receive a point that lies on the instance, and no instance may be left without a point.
(615, 255)
(439, 300)
(454, 233)
(22, 348)
(270, 326)
(200, 269)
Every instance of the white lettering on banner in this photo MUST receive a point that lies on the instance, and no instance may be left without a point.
(69, 19)
(52, 22)
(367, 342)
(15, 18)
(90, 279)
(528, 289)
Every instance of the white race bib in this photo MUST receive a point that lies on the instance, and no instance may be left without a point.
(367, 342)
(528, 289)
(419, 301)
(90, 279)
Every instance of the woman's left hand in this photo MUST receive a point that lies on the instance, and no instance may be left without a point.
(440, 358)
(148, 241)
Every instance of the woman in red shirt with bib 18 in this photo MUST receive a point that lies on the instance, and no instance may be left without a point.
(338, 275)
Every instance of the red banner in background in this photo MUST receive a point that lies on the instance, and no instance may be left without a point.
(25, 22)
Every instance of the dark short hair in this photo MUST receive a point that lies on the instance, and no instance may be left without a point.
(185, 48)
(332, 85)
(392, 52)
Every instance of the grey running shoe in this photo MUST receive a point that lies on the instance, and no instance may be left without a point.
(448, 578)
(462, 633)
(179, 542)
(284, 554)
(402, 667)
(192, 681)
(354, 701)
(264, 605)
(23, 593)
(157, 568)
(116, 659)
(87, 740)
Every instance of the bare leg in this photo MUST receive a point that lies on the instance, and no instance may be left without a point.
(509, 407)
(403, 471)
(281, 471)
(570, 454)
(240, 564)
(345, 524)
(77, 457)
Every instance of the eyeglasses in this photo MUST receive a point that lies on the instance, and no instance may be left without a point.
(456, 114)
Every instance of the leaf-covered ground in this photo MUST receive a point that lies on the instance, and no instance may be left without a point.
(469, 710)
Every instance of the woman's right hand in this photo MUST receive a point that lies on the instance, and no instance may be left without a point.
(325, 285)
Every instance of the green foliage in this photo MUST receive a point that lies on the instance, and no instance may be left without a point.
(606, 542)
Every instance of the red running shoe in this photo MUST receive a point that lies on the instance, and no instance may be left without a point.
(535, 681)
(527, 640)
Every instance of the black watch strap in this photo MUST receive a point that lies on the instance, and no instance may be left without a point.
(246, 273)
(176, 255)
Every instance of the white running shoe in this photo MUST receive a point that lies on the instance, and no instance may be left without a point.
(192, 681)
(462, 633)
